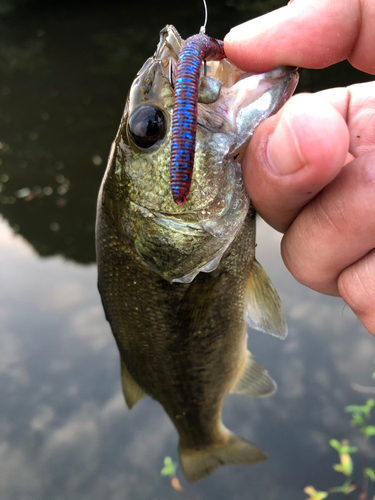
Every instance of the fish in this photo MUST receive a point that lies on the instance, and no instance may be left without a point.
(180, 283)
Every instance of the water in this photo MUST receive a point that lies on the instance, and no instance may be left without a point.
(65, 432)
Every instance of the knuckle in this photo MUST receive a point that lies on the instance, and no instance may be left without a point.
(356, 285)
(306, 267)
(307, 247)
(332, 214)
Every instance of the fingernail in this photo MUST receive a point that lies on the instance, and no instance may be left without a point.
(244, 31)
(283, 151)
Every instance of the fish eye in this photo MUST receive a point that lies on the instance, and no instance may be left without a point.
(146, 126)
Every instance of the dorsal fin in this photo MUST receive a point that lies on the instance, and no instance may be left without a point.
(254, 380)
(132, 391)
(263, 309)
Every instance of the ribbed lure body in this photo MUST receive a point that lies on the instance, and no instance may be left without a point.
(194, 51)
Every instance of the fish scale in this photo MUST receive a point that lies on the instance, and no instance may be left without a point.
(156, 324)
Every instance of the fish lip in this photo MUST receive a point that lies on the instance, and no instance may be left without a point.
(280, 72)
(170, 39)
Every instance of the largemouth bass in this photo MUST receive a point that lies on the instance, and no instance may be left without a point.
(179, 283)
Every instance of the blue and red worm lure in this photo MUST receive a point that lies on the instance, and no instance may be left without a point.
(194, 51)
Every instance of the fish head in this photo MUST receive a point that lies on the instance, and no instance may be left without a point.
(178, 241)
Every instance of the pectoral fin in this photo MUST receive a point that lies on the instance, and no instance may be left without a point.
(263, 305)
(254, 380)
(132, 391)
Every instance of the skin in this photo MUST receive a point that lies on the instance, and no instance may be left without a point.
(312, 172)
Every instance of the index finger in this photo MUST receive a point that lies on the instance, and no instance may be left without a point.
(306, 33)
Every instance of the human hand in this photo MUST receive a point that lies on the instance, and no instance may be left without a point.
(310, 169)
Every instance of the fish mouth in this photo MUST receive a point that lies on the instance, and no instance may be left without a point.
(169, 47)
(169, 43)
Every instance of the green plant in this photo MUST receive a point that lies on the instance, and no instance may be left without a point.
(169, 470)
(361, 418)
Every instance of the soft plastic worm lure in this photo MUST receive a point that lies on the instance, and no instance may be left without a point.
(194, 51)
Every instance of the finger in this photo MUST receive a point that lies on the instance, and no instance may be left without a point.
(357, 106)
(306, 33)
(292, 156)
(356, 285)
(335, 230)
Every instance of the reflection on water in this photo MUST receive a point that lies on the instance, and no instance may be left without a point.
(64, 429)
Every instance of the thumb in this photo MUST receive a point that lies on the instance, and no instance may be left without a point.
(292, 156)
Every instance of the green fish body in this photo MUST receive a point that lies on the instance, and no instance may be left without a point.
(179, 283)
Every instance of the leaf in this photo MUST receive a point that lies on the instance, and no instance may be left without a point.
(367, 408)
(368, 431)
(335, 444)
(338, 489)
(343, 447)
(357, 409)
(348, 449)
(347, 464)
(315, 495)
(339, 468)
(370, 473)
(345, 468)
(357, 419)
(343, 489)
(169, 468)
(346, 488)
(354, 409)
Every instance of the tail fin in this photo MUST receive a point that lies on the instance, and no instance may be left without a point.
(197, 464)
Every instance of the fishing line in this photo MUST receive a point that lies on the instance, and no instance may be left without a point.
(202, 30)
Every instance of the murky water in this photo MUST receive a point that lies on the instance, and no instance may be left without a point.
(65, 432)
